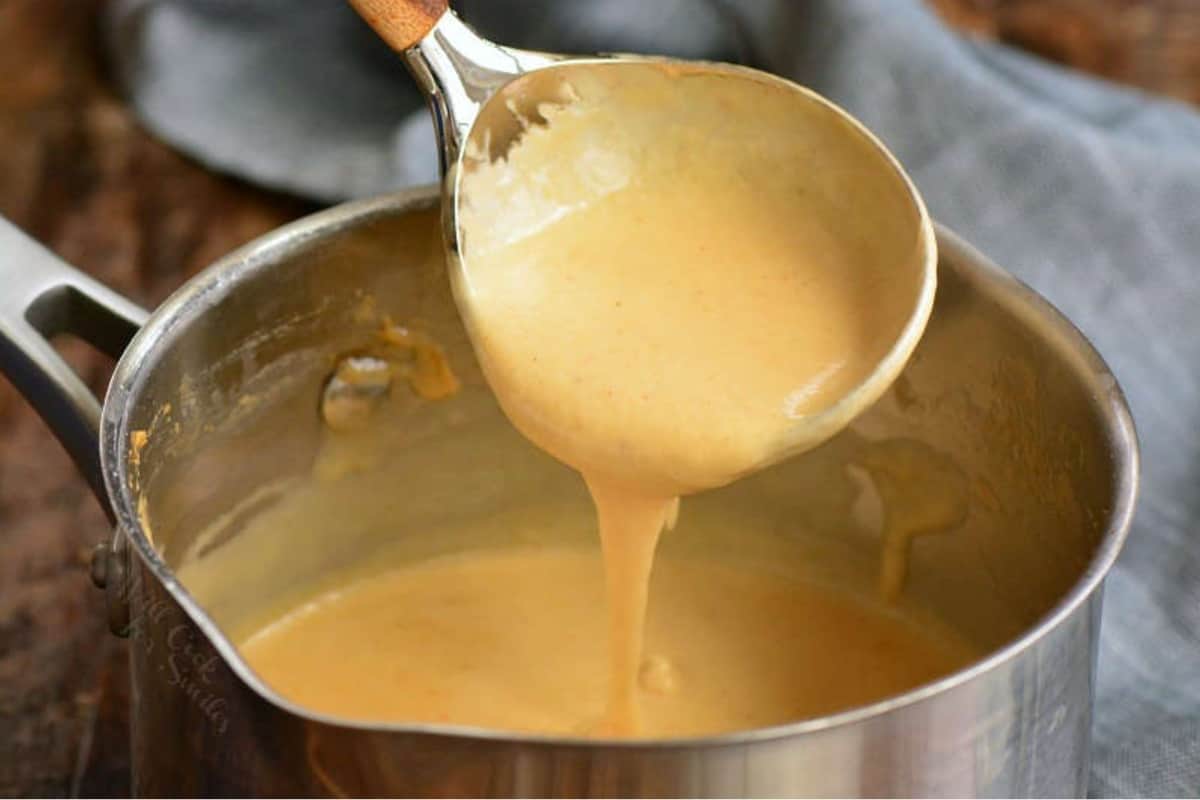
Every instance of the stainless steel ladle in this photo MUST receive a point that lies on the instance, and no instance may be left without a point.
(481, 92)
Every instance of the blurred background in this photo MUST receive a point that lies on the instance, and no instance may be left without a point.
(80, 173)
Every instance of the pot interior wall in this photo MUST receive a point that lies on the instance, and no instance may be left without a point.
(234, 431)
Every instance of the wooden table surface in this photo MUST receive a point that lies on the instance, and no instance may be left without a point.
(79, 175)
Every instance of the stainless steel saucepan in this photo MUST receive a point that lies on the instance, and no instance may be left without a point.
(216, 397)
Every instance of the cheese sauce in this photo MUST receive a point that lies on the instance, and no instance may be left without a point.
(515, 639)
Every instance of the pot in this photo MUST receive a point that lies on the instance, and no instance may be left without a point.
(216, 396)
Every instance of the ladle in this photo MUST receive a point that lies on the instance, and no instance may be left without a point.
(483, 95)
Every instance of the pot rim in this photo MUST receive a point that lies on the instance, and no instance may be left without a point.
(206, 288)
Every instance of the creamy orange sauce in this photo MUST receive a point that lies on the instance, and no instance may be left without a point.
(922, 493)
(515, 639)
(661, 297)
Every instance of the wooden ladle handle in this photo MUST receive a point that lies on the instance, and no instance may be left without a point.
(401, 23)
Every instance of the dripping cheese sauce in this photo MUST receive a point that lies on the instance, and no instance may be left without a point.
(658, 302)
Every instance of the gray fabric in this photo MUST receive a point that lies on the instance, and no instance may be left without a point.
(1088, 192)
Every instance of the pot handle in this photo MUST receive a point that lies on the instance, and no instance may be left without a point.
(41, 297)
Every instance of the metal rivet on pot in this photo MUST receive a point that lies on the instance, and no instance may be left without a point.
(116, 589)
(99, 565)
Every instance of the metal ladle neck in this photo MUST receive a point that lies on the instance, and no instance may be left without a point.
(460, 71)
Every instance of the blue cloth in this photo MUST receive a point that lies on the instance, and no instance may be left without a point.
(1088, 192)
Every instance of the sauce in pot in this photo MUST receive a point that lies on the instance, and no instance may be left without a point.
(514, 639)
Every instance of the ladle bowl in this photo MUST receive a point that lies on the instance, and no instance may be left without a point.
(483, 95)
